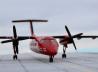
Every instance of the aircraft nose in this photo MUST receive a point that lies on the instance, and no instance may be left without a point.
(52, 51)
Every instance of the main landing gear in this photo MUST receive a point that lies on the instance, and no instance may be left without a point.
(15, 57)
(51, 59)
(64, 54)
(15, 48)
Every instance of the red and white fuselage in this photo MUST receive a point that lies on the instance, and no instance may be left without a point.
(44, 45)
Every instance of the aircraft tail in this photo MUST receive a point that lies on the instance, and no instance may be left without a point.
(31, 23)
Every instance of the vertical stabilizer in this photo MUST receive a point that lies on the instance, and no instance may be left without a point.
(31, 23)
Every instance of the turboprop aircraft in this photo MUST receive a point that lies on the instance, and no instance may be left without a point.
(46, 45)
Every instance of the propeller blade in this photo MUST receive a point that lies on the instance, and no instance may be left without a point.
(74, 45)
(70, 36)
(14, 31)
(6, 41)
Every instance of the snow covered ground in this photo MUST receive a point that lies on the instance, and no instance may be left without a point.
(32, 62)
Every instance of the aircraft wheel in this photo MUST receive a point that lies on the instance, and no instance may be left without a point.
(63, 55)
(14, 57)
(51, 59)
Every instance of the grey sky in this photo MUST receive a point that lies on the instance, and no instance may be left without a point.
(79, 15)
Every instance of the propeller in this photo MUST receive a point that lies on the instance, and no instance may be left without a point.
(14, 40)
(70, 36)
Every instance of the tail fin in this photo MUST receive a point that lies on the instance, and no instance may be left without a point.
(30, 21)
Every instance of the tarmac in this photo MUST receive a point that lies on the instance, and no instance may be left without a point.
(32, 62)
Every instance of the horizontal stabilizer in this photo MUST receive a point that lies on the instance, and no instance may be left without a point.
(29, 20)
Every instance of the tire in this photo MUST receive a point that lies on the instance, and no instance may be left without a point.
(14, 57)
(63, 55)
(51, 59)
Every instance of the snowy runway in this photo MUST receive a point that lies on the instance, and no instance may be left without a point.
(32, 62)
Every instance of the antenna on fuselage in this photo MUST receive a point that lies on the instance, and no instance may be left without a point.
(31, 22)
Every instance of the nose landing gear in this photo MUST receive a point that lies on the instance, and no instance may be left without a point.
(51, 59)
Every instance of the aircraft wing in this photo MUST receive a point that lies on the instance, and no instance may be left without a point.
(74, 36)
(25, 37)
(6, 37)
(19, 37)
(78, 36)
(84, 36)
(58, 36)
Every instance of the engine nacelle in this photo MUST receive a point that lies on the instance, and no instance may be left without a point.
(93, 37)
(78, 38)
(65, 41)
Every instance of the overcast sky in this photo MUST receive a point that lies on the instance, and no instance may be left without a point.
(78, 15)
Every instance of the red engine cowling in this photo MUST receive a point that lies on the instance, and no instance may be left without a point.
(65, 41)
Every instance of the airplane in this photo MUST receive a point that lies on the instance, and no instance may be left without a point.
(46, 45)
